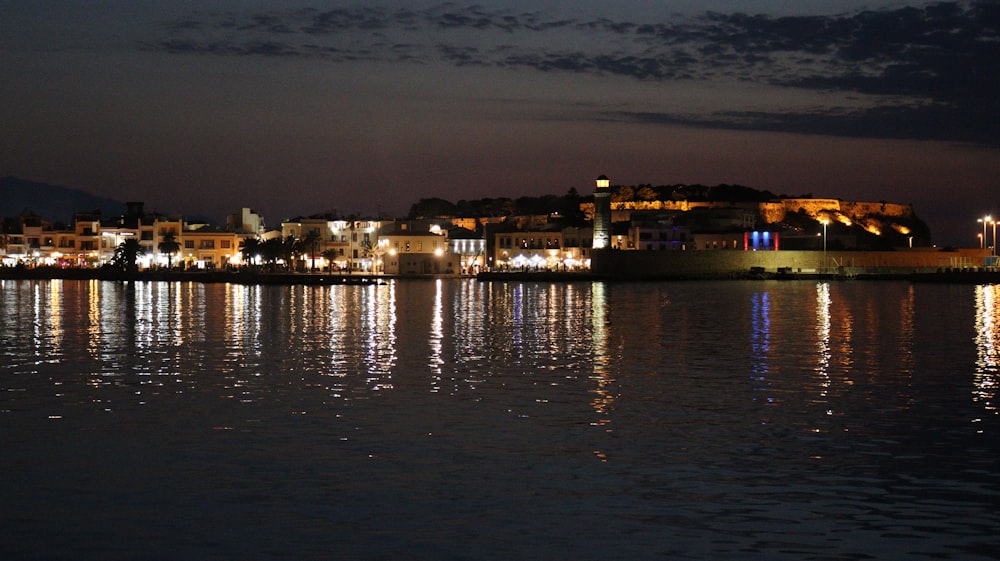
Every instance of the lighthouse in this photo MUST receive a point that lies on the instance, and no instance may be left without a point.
(602, 213)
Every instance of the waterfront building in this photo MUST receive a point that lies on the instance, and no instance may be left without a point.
(165, 229)
(658, 234)
(416, 247)
(550, 248)
(470, 248)
(337, 244)
(87, 238)
(356, 242)
(207, 247)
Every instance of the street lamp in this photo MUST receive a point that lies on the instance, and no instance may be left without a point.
(985, 220)
(994, 223)
(824, 222)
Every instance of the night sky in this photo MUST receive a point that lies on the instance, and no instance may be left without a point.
(203, 107)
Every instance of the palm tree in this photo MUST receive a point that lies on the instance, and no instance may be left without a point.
(311, 245)
(126, 255)
(271, 250)
(251, 248)
(169, 245)
(291, 249)
(330, 255)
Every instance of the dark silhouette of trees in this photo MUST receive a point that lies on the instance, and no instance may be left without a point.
(431, 208)
(250, 248)
(310, 246)
(126, 256)
(169, 245)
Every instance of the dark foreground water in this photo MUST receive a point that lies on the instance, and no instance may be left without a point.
(463, 420)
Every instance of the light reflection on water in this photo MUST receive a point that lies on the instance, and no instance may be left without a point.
(456, 419)
(987, 346)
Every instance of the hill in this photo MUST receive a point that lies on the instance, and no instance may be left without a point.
(51, 202)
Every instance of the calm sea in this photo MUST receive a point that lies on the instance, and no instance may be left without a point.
(452, 419)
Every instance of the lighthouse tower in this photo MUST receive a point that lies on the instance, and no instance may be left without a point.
(602, 213)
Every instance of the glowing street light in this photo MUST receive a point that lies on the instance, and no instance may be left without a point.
(994, 223)
(985, 220)
(824, 222)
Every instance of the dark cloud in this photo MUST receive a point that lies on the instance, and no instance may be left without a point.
(929, 122)
(934, 70)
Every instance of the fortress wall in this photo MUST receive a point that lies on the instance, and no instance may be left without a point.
(681, 264)
(858, 209)
(811, 206)
(772, 212)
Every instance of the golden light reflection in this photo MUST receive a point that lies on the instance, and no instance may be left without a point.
(823, 303)
(987, 327)
(604, 398)
(379, 324)
(436, 336)
(94, 318)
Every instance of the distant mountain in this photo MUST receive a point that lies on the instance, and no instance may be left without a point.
(51, 202)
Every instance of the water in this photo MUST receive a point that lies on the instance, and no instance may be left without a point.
(453, 419)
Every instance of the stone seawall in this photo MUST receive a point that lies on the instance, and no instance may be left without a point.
(612, 263)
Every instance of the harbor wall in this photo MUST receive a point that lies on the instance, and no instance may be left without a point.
(691, 264)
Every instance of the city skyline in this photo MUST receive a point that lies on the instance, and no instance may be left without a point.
(209, 107)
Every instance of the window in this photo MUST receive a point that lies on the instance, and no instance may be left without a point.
(354, 236)
(226, 244)
(207, 244)
(188, 244)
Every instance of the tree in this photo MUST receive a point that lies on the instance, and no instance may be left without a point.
(431, 207)
(271, 250)
(126, 255)
(310, 244)
(291, 250)
(646, 193)
(250, 248)
(330, 255)
(169, 245)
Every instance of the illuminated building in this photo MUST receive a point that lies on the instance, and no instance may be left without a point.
(602, 213)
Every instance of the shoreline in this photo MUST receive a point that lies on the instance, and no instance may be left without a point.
(946, 276)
